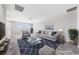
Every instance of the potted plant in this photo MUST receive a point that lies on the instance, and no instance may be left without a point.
(73, 34)
(2, 46)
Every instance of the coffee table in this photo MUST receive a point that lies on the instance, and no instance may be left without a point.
(34, 40)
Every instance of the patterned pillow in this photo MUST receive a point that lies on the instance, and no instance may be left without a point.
(53, 33)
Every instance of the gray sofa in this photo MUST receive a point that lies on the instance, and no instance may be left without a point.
(25, 34)
(47, 35)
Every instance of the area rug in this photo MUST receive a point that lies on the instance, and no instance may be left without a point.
(27, 49)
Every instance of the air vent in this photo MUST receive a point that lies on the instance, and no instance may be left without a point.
(71, 9)
(19, 8)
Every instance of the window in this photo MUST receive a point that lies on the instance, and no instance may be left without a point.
(24, 25)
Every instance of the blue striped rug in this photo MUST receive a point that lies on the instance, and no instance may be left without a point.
(27, 49)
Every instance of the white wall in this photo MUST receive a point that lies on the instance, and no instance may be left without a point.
(2, 13)
(11, 30)
(8, 29)
(78, 22)
(66, 21)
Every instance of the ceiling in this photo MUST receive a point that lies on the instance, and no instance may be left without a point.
(36, 12)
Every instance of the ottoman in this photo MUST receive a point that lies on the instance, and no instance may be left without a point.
(46, 50)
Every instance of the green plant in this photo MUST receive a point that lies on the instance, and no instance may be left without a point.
(73, 34)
